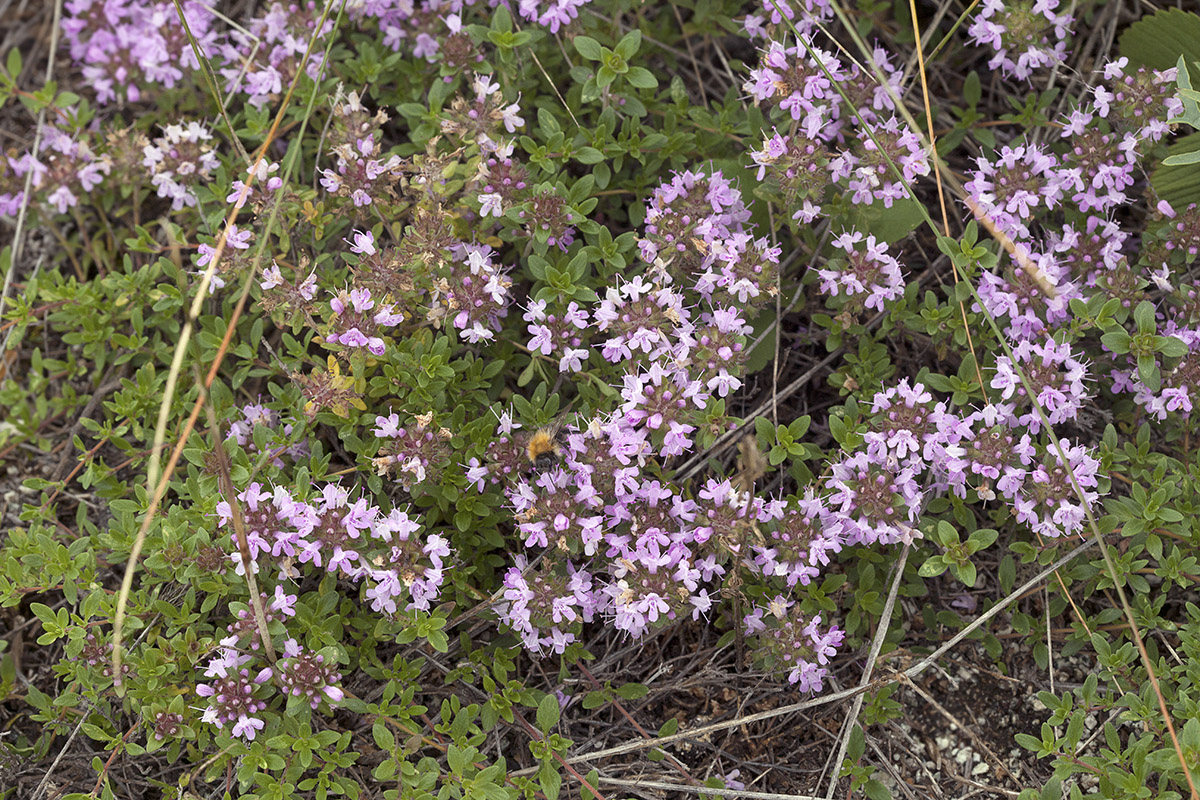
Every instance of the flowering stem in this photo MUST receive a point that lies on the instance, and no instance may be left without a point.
(851, 720)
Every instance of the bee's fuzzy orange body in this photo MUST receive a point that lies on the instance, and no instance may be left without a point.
(543, 449)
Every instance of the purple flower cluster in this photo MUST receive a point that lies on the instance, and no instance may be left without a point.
(804, 535)
(815, 159)
(1055, 203)
(918, 447)
(64, 169)
(1180, 389)
(1175, 391)
(546, 604)
(255, 416)
(1054, 376)
(294, 297)
(261, 61)
(866, 169)
(558, 332)
(357, 321)
(992, 451)
(452, 280)
(691, 207)
(362, 172)
(787, 641)
(237, 697)
(549, 220)
(740, 271)
(1015, 184)
(1138, 103)
(303, 673)
(358, 541)
(477, 294)
(552, 14)
(128, 46)
(416, 452)
(1025, 34)
(1048, 502)
(258, 194)
(416, 27)
(877, 499)
(235, 258)
(481, 119)
(799, 163)
(638, 317)
(607, 542)
(234, 696)
(1024, 301)
(800, 84)
(505, 183)
(806, 15)
(866, 278)
(179, 159)
(243, 632)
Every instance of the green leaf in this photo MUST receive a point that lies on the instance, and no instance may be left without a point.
(594, 699)
(1158, 40)
(588, 47)
(982, 539)
(1148, 372)
(550, 780)
(876, 790)
(887, 224)
(501, 19)
(629, 45)
(1008, 573)
(632, 691)
(456, 759)
(641, 78)
(1182, 160)
(383, 737)
(799, 426)
(856, 746)
(1177, 180)
(1052, 790)
(1117, 341)
(1189, 98)
(44, 613)
(1143, 316)
(1171, 347)
(548, 713)
(593, 780)
(972, 89)
(588, 155)
(678, 91)
(933, 566)
(546, 121)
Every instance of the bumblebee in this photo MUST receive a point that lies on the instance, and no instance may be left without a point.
(545, 447)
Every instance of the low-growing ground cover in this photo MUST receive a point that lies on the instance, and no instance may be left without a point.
(598, 398)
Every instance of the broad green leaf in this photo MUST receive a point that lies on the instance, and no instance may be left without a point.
(547, 713)
(888, 224)
(1178, 179)
(1158, 40)
(588, 47)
